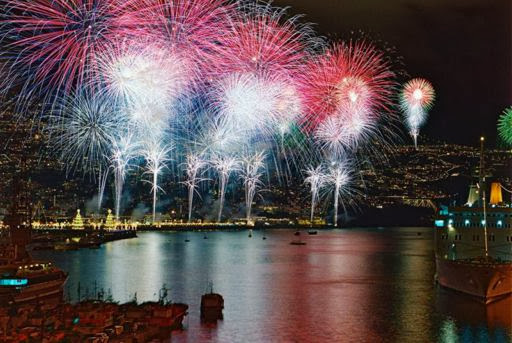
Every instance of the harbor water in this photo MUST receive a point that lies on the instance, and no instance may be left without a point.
(347, 285)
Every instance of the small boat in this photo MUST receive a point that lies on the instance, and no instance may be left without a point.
(297, 233)
(297, 243)
(205, 237)
(312, 232)
(212, 305)
(187, 240)
(264, 238)
(250, 233)
(66, 246)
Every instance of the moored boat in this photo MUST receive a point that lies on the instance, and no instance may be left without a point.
(212, 305)
(24, 280)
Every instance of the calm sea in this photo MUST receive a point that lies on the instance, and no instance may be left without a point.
(350, 285)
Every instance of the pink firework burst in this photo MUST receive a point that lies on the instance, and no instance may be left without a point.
(416, 98)
(56, 42)
(417, 93)
(193, 26)
(350, 79)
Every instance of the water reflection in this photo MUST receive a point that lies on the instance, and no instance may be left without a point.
(472, 320)
(344, 285)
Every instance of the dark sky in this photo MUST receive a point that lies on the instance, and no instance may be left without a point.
(462, 46)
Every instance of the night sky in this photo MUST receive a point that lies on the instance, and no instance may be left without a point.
(463, 47)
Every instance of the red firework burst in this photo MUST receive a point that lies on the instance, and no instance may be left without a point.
(417, 93)
(261, 39)
(56, 42)
(350, 78)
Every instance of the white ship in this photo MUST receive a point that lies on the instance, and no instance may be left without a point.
(473, 243)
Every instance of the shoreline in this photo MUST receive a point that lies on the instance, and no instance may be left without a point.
(214, 227)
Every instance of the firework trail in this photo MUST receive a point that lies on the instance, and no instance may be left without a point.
(316, 179)
(83, 129)
(224, 165)
(123, 151)
(339, 179)
(347, 91)
(102, 183)
(416, 98)
(251, 176)
(156, 156)
(194, 164)
(505, 126)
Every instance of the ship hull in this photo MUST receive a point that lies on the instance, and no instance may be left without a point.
(486, 281)
(34, 293)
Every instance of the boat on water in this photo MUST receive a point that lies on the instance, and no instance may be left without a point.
(24, 280)
(473, 243)
(212, 305)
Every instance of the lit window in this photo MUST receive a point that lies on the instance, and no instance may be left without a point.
(13, 282)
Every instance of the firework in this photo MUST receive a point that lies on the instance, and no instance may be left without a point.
(346, 92)
(124, 150)
(505, 126)
(255, 108)
(228, 80)
(83, 129)
(194, 164)
(55, 43)
(315, 178)
(339, 179)
(156, 156)
(251, 176)
(141, 72)
(253, 76)
(224, 165)
(191, 26)
(416, 98)
(102, 183)
(261, 39)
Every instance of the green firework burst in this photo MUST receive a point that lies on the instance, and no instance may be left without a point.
(505, 126)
